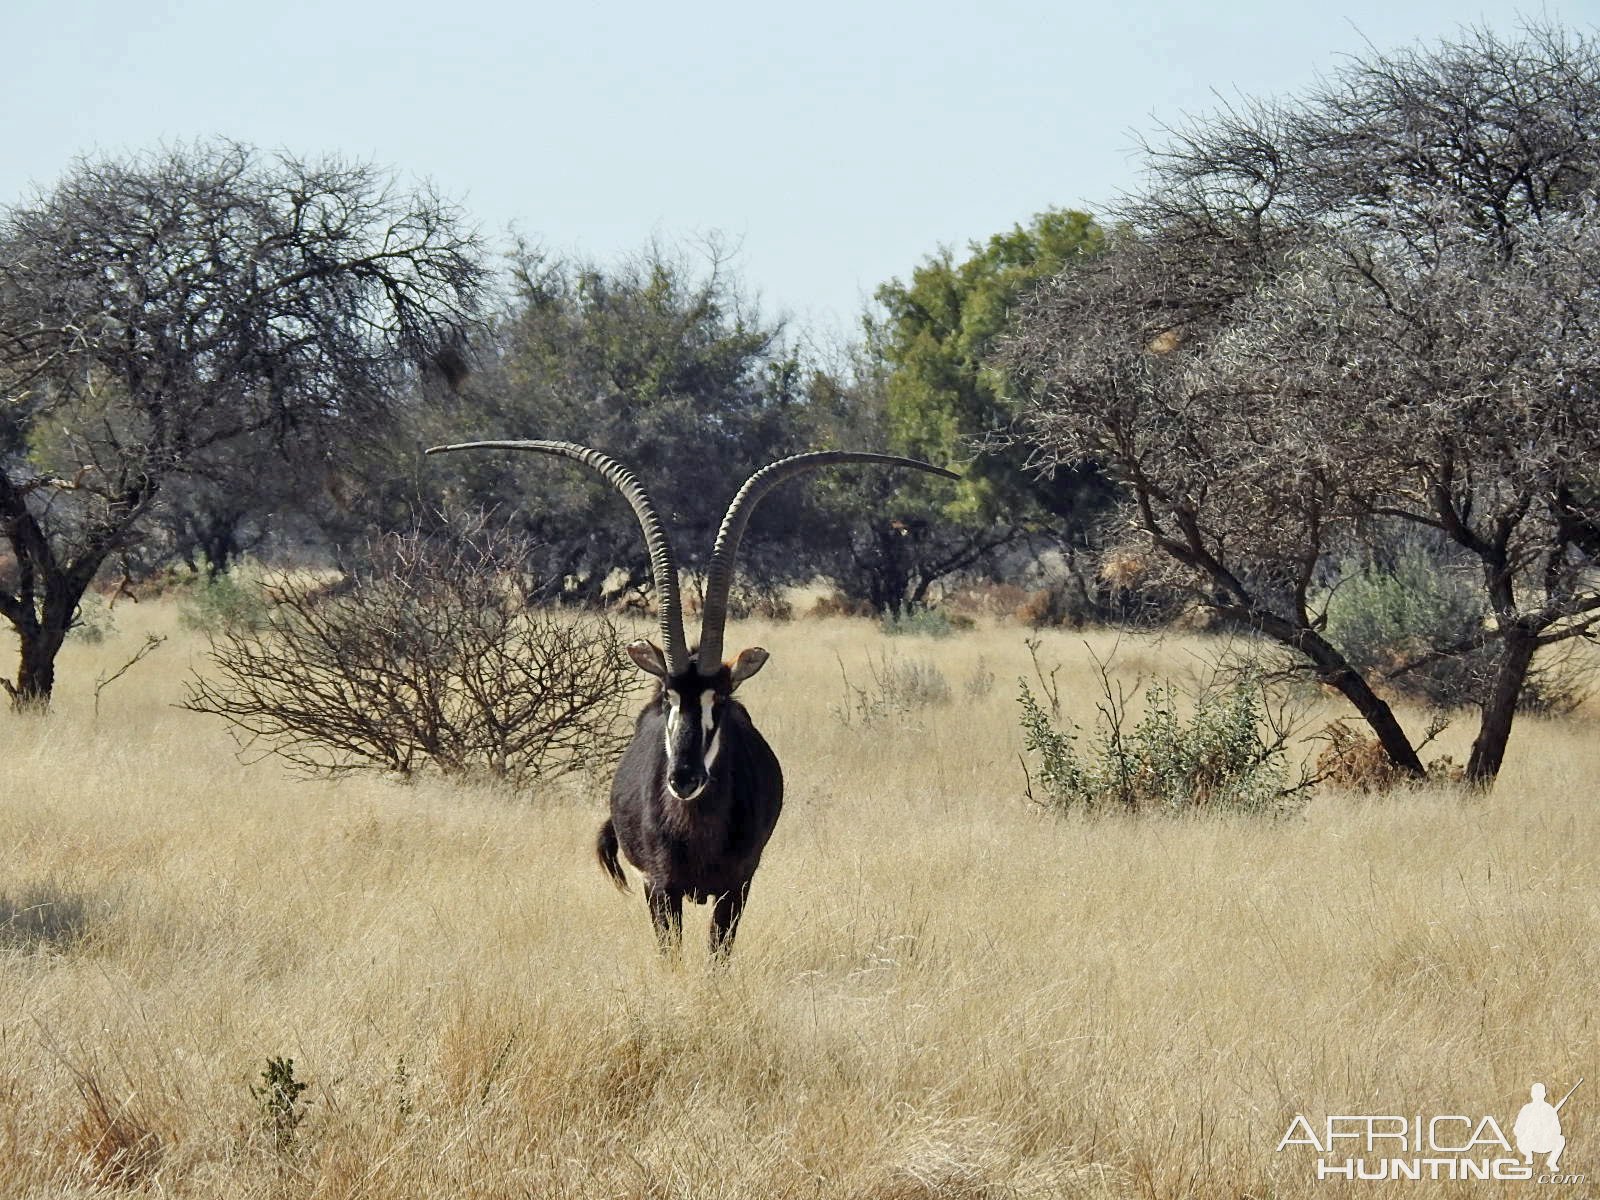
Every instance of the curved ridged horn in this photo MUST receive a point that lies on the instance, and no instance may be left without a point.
(719, 577)
(662, 564)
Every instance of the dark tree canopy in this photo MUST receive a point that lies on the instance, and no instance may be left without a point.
(886, 538)
(1375, 303)
(174, 314)
(661, 363)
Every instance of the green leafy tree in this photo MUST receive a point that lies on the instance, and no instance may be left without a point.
(920, 385)
(943, 401)
(881, 536)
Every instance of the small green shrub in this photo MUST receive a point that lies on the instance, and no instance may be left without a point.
(94, 621)
(278, 1099)
(918, 620)
(234, 602)
(1384, 617)
(1218, 760)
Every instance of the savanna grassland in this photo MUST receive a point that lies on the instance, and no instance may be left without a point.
(938, 990)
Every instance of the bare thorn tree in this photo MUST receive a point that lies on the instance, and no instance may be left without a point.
(156, 311)
(1376, 304)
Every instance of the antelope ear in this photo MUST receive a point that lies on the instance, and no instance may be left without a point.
(747, 664)
(649, 657)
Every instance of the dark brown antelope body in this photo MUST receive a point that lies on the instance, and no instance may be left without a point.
(698, 791)
(705, 848)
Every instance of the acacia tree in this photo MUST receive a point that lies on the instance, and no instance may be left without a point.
(1235, 495)
(1377, 303)
(167, 312)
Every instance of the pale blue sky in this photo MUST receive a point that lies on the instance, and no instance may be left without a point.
(836, 143)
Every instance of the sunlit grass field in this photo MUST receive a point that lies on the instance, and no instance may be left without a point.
(938, 990)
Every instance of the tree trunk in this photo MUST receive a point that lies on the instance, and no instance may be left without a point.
(1334, 670)
(40, 636)
(36, 674)
(1380, 718)
(221, 548)
(887, 578)
(1494, 730)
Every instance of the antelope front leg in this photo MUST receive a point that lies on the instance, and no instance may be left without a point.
(666, 911)
(725, 919)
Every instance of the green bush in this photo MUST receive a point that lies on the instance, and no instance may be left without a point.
(278, 1099)
(929, 622)
(1219, 760)
(1384, 617)
(94, 621)
(234, 601)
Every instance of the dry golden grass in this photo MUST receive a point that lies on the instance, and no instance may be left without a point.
(938, 992)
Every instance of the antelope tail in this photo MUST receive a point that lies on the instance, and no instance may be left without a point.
(605, 849)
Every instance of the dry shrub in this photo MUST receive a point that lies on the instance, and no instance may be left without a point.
(632, 602)
(1045, 608)
(755, 601)
(900, 689)
(772, 608)
(987, 599)
(837, 604)
(1196, 618)
(745, 601)
(1356, 762)
(1123, 569)
(435, 655)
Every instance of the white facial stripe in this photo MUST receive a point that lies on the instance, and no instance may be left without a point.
(707, 700)
(711, 733)
(673, 710)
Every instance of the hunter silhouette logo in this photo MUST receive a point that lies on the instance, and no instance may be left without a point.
(1444, 1146)
(1538, 1127)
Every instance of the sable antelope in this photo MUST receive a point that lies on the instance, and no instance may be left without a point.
(698, 790)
